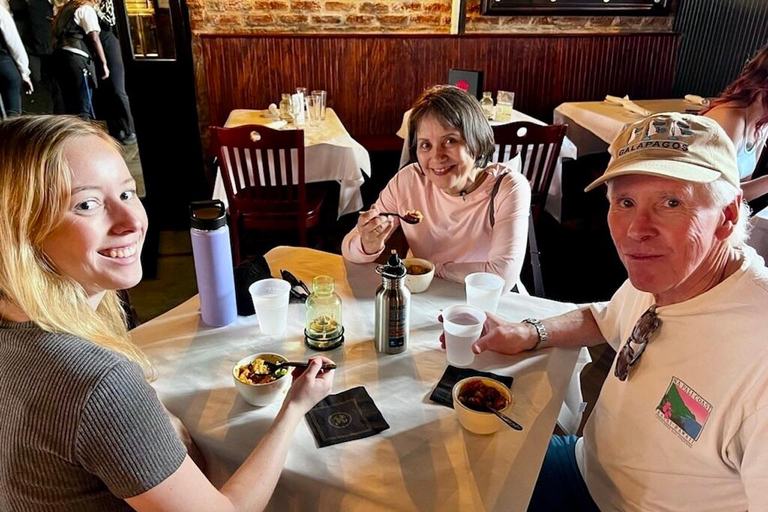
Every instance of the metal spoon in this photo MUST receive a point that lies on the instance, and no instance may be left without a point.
(404, 218)
(506, 419)
(273, 367)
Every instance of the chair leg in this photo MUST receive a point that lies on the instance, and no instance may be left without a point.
(533, 248)
(235, 242)
(303, 235)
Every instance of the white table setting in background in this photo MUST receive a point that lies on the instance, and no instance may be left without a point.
(593, 125)
(331, 154)
(425, 461)
(555, 193)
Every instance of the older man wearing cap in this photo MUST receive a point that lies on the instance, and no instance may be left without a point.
(682, 421)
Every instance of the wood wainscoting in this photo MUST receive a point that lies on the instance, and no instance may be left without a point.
(372, 79)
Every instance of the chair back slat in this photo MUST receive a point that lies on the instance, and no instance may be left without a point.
(261, 167)
(539, 148)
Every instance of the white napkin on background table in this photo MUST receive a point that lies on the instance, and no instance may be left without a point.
(628, 104)
(698, 100)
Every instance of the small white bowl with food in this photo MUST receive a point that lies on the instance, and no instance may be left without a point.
(418, 274)
(257, 380)
(470, 398)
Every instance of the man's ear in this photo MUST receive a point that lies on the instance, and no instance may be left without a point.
(730, 218)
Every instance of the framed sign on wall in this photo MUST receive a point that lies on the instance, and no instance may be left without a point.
(577, 7)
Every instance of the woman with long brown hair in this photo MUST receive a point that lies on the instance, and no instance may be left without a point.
(742, 111)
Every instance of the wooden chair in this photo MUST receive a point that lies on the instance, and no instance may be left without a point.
(263, 174)
(539, 149)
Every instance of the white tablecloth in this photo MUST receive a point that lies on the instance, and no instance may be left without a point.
(555, 193)
(425, 461)
(593, 125)
(759, 237)
(331, 155)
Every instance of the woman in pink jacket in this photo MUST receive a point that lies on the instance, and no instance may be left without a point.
(475, 214)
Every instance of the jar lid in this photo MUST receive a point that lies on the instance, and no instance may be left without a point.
(207, 215)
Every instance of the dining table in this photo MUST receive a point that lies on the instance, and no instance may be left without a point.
(567, 151)
(331, 154)
(594, 125)
(425, 461)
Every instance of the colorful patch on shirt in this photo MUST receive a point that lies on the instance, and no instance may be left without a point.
(683, 411)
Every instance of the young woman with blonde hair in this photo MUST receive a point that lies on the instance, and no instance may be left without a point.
(82, 429)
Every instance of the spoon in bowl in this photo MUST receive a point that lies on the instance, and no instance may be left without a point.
(506, 419)
(273, 367)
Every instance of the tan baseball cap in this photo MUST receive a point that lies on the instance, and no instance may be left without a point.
(673, 145)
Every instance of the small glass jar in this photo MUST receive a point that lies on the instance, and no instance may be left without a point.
(487, 105)
(286, 108)
(324, 330)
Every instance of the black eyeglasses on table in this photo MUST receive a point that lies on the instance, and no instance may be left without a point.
(641, 333)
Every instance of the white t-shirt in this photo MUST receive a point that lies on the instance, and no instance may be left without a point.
(688, 430)
(88, 20)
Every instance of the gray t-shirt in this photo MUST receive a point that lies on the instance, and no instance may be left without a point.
(80, 428)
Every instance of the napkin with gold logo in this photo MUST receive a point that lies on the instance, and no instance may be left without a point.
(443, 392)
(345, 417)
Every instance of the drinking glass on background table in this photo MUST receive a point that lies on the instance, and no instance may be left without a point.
(313, 110)
(505, 103)
(297, 101)
(304, 95)
(484, 290)
(323, 99)
(462, 326)
(270, 300)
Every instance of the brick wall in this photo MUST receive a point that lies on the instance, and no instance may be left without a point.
(433, 16)
(371, 16)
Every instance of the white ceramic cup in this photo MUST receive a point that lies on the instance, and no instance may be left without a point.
(484, 290)
(462, 326)
(270, 300)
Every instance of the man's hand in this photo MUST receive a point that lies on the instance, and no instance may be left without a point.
(28, 87)
(503, 337)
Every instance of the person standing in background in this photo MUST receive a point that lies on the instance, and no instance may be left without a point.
(742, 111)
(113, 104)
(14, 65)
(75, 73)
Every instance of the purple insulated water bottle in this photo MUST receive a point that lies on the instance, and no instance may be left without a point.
(213, 262)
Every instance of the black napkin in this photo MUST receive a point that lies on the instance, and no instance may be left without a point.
(442, 393)
(246, 273)
(345, 417)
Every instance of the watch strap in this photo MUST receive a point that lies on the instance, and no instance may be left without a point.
(541, 331)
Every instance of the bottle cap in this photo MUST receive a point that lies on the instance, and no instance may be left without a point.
(207, 215)
(394, 267)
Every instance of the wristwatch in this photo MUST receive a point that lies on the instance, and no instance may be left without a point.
(541, 331)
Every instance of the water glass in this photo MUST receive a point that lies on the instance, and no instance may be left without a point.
(323, 101)
(462, 326)
(484, 290)
(313, 110)
(298, 109)
(270, 300)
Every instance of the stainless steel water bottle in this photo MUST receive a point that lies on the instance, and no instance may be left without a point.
(393, 308)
